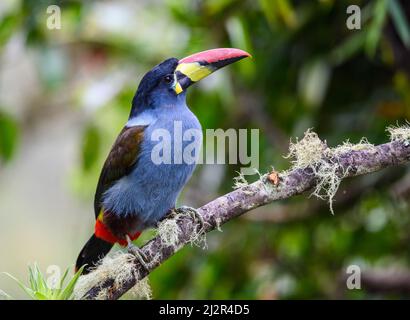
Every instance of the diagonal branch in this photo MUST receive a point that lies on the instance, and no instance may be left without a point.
(350, 162)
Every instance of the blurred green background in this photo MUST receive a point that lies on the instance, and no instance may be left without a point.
(65, 94)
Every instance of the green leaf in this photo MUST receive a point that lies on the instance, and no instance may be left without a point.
(8, 136)
(27, 290)
(91, 147)
(280, 10)
(40, 296)
(287, 13)
(400, 21)
(39, 279)
(32, 279)
(8, 26)
(5, 295)
(270, 10)
(63, 278)
(39, 289)
(376, 26)
(348, 48)
(68, 290)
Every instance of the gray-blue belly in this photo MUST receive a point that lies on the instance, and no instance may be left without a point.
(150, 190)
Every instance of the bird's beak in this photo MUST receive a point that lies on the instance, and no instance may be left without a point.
(200, 65)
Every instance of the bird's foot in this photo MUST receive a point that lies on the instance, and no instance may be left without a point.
(137, 253)
(195, 216)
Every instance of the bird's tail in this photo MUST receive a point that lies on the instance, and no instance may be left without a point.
(94, 250)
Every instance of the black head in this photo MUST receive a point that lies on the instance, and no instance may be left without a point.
(157, 84)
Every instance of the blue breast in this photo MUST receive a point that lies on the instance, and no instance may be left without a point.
(152, 188)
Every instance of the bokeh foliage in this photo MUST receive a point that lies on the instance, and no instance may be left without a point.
(308, 70)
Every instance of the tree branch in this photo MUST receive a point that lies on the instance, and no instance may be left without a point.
(352, 162)
(349, 196)
(395, 281)
(390, 280)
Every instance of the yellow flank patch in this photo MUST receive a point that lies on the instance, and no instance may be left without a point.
(194, 70)
(101, 215)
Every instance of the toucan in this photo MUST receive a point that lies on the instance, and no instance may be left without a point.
(135, 192)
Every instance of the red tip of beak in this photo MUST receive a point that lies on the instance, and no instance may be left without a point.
(215, 55)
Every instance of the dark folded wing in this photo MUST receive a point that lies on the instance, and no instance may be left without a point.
(120, 161)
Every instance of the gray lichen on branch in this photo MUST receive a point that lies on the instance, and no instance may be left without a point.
(314, 165)
(399, 133)
(311, 152)
(120, 268)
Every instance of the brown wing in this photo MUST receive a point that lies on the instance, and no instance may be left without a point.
(120, 161)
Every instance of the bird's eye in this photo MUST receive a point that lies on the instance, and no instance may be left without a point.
(169, 79)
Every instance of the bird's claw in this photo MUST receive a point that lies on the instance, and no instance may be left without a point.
(137, 253)
(195, 216)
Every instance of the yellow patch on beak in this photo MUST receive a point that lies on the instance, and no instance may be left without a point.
(178, 89)
(194, 70)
